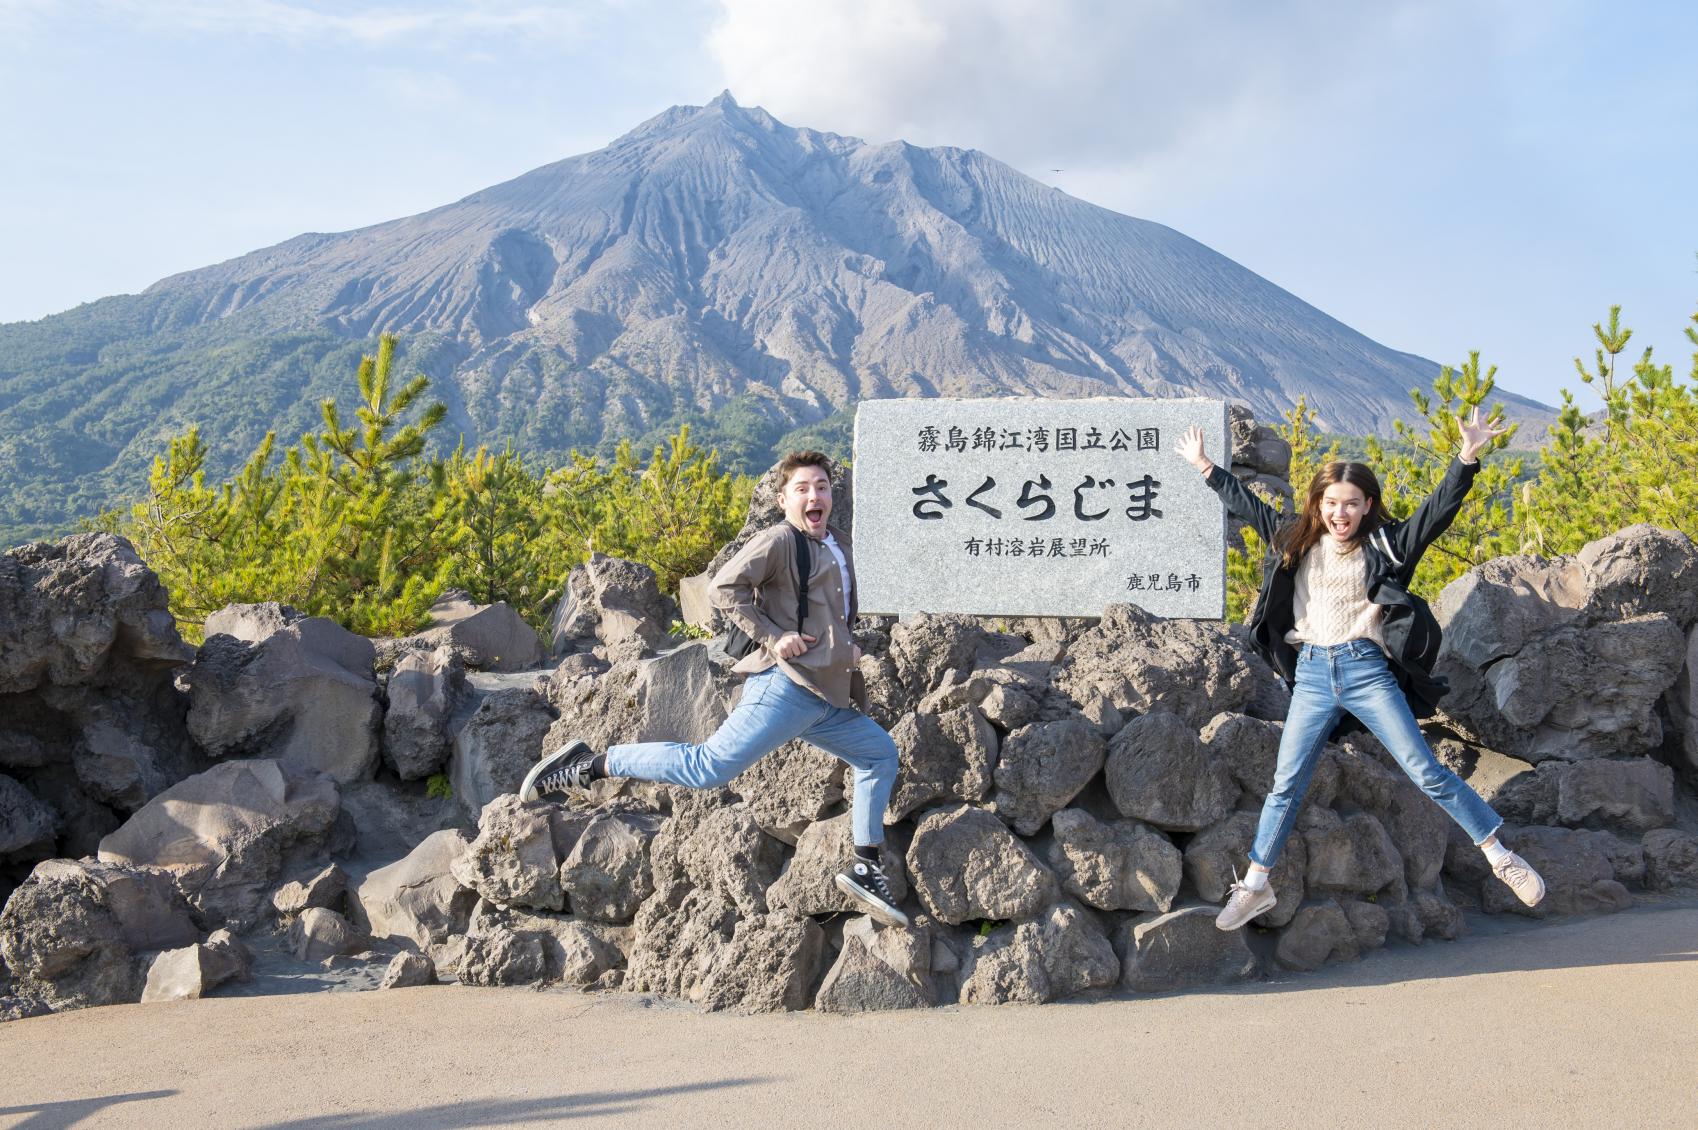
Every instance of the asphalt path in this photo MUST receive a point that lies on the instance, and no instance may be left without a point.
(1592, 1022)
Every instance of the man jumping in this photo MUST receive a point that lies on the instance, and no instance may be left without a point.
(798, 686)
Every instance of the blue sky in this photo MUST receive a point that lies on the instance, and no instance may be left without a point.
(1441, 176)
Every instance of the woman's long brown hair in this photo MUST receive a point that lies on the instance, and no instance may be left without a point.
(1300, 536)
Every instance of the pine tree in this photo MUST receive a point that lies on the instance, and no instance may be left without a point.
(1414, 467)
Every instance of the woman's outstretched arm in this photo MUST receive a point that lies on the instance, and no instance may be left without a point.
(1246, 507)
(1438, 510)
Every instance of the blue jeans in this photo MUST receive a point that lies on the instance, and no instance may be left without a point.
(1355, 677)
(774, 710)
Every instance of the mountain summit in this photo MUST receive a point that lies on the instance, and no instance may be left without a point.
(711, 260)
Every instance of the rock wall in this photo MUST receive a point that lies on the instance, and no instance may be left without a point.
(1073, 799)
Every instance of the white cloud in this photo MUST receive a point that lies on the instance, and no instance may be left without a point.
(1153, 95)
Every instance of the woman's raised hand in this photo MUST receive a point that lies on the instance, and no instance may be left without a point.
(1190, 449)
(1475, 435)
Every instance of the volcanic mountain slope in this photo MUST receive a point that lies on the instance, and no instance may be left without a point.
(712, 260)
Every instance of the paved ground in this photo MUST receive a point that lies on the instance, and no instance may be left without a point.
(1587, 1023)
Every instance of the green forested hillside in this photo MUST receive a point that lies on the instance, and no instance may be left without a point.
(88, 399)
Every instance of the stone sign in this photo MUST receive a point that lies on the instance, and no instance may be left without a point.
(1023, 506)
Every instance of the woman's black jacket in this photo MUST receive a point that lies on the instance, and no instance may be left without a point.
(1411, 633)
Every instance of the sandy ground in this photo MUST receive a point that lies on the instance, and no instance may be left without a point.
(1585, 1023)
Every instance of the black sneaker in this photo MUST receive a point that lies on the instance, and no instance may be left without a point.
(865, 883)
(564, 770)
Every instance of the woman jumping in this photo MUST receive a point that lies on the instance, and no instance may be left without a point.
(1335, 617)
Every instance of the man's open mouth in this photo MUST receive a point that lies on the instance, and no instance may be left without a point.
(814, 514)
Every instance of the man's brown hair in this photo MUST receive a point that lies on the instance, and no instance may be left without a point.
(796, 460)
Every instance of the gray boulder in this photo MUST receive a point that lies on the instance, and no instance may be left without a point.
(1009, 707)
(615, 602)
(769, 964)
(1640, 570)
(1042, 767)
(723, 850)
(68, 605)
(1369, 922)
(193, 971)
(879, 968)
(92, 724)
(678, 935)
(226, 833)
(492, 637)
(515, 860)
(1631, 796)
(1182, 949)
(407, 970)
(1160, 772)
(1257, 447)
(928, 647)
(270, 682)
(966, 864)
(72, 933)
(809, 883)
(501, 956)
(574, 952)
(1682, 703)
(327, 888)
(1318, 933)
(1497, 608)
(28, 828)
(678, 696)
(422, 691)
(1215, 856)
(1057, 955)
(1142, 664)
(496, 746)
(791, 788)
(1671, 860)
(1248, 747)
(416, 900)
(1576, 692)
(1350, 855)
(1566, 659)
(1120, 865)
(945, 757)
(319, 934)
(606, 874)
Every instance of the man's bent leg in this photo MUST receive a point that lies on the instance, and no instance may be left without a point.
(773, 711)
(873, 760)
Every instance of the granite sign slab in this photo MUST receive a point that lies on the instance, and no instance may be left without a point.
(1023, 506)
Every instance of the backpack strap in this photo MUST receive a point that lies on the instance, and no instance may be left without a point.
(1382, 542)
(804, 566)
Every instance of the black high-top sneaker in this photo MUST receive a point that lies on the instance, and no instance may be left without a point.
(563, 771)
(865, 883)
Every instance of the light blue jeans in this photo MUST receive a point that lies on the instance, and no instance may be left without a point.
(1355, 677)
(774, 710)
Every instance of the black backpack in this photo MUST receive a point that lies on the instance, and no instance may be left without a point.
(737, 642)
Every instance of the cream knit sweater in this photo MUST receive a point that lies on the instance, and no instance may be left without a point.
(1331, 604)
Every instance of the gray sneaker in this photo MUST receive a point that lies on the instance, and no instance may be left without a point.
(566, 770)
(1520, 878)
(1243, 904)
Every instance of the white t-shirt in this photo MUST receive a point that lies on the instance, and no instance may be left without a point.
(842, 569)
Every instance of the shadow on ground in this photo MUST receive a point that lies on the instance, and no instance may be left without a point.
(506, 1112)
(54, 1116)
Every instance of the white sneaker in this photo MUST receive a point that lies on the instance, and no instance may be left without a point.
(1243, 904)
(1520, 878)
